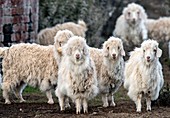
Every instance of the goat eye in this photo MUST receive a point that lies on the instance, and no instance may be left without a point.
(143, 50)
(154, 50)
(108, 48)
(118, 47)
(129, 13)
(138, 12)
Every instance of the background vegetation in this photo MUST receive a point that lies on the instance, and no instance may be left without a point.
(94, 12)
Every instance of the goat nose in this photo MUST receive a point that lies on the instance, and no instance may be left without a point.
(77, 56)
(114, 55)
(148, 57)
(134, 20)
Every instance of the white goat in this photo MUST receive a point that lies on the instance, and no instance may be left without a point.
(46, 36)
(130, 26)
(60, 39)
(143, 74)
(158, 29)
(77, 75)
(30, 64)
(112, 69)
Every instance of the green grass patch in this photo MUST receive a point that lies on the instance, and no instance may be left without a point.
(30, 89)
(120, 95)
(97, 101)
(34, 95)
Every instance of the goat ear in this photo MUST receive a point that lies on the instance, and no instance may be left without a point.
(142, 14)
(159, 52)
(125, 13)
(86, 51)
(122, 52)
(105, 50)
(127, 16)
(105, 53)
(56, 42)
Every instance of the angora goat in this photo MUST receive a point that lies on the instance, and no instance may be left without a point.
(112, 69)
(30, 64)
(130, 26)
(158, 29)
(143, 74)
(60, 39)
(46, 36)
(77, 75)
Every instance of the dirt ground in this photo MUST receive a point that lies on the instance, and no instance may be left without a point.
(36, 107)
(124, 109)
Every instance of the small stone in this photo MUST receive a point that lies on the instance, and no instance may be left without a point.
(20, 109)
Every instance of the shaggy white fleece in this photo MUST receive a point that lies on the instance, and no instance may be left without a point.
(77, 75)
(143, 74)
(130, 26)
(30, 64)
(112, 70)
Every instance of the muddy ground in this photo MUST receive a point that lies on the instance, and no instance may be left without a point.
(124, 109)
(37, 107)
